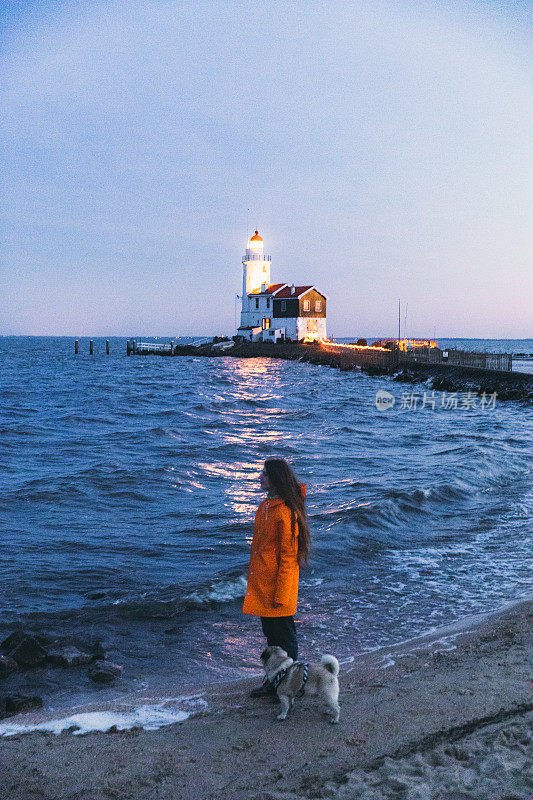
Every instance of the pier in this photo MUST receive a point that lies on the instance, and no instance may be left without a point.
(389, 356)
(449, 370)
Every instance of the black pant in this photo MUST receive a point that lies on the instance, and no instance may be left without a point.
(281, 631)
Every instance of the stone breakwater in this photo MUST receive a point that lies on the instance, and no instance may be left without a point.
(507, 385)
(450, 378)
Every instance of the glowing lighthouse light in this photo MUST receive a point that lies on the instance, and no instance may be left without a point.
(256, 266)
(256, 242)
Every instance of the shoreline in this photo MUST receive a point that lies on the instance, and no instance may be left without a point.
(398, 702)
(62, 699)
(380, 657)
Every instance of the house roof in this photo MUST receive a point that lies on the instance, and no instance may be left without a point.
(298, 291)
(283, 290)
(270, 289)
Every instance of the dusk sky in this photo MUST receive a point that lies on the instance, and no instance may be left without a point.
(384, 150)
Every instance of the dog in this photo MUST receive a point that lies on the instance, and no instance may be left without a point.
(292, 678)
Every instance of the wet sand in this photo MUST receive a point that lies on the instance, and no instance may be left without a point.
(447, 716)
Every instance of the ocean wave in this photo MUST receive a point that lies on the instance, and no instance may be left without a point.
(395, 506)
(168, 602)
(445, 493)
(62, 495)
(150, 717)
(222, 591)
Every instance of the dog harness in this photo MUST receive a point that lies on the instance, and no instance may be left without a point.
(283, 672)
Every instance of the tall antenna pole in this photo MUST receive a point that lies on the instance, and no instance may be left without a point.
(399, 322)
(405, 321)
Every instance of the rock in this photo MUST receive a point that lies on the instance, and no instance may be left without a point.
(97, 651)
(7, 666)
(104, 671)
(12, 641)
(16, 703)
(69, 657)
(28, 653)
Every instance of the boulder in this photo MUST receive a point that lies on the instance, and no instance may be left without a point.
(68, 656)
(97, 651)
(15, 703)
(12, 641)
(104, 671)
(7, 666)
(28, 652)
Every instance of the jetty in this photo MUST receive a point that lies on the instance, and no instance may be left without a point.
(447, 370)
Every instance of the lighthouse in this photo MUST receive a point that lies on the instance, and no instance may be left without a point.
(273, 311)
(255, 268)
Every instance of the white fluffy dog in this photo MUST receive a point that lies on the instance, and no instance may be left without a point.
(292, 678)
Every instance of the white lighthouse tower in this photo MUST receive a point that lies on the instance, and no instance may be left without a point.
(255, 273)
(256, 266)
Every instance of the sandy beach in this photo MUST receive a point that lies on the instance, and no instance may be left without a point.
(447, 716)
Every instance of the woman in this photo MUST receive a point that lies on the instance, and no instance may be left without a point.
(280, 545)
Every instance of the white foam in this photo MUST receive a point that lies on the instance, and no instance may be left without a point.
(220, 592)
(149, 717)
(311, 582)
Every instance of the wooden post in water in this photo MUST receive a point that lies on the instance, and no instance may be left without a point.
(171, 348)
(75, 347)
(107, 346)
(91, 347)
(128, 348)
(134, 347)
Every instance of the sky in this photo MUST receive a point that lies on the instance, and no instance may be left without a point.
(384, 150)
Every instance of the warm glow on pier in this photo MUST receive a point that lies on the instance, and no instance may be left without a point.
(410, 344)
(405, 344)
(351, 346)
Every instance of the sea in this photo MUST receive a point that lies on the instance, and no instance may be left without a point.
(129, 487)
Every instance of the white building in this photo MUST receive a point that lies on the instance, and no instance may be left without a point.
(274, 311)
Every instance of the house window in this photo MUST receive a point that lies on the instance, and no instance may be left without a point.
(307, 305)
(257, 302)
(265, 323)
(318, 305)
(268, 302)
(283, 305)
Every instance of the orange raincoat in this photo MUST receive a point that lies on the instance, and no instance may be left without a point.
(274, 572)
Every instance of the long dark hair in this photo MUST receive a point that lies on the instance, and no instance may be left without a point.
(283, 481)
